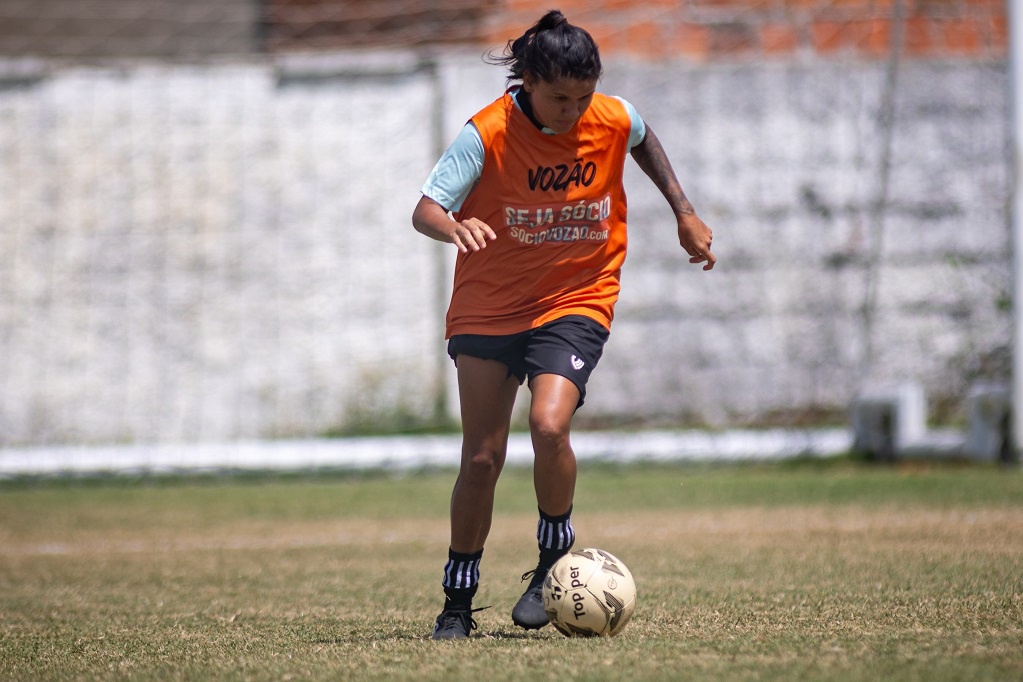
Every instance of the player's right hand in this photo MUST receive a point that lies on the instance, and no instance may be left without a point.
(472, 234)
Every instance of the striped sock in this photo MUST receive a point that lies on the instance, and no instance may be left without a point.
(461, 578)
(554, 536)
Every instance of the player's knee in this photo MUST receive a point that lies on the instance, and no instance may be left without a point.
(548, 430)
(483, 463)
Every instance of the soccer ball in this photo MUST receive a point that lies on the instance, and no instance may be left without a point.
(589, 593)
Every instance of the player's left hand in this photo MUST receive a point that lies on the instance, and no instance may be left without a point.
(695, 237)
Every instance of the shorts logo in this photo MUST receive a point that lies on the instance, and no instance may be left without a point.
(577, 363)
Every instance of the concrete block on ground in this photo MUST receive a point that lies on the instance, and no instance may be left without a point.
(988, 409)
(888, 420)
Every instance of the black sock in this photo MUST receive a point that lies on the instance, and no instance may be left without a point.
(461, 579)
(554, 537)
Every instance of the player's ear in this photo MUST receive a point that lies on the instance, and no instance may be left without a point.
(528, 81)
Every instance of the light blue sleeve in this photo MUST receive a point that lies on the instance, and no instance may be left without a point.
(457, 170)
(638, 125)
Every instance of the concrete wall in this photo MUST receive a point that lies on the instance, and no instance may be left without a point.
(785, 162)
(119, 28)
(223, 251)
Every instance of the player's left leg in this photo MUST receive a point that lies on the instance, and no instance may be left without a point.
(554, 401)
(558, 360)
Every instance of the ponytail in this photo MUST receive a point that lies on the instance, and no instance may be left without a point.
(550, 49)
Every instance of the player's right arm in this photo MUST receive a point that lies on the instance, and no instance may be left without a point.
(450, 182)
(432, 219)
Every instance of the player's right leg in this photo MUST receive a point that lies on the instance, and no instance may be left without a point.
(487, 396)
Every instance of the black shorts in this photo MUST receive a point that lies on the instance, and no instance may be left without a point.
(569, 346)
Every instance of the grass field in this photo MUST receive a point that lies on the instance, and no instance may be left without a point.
(798, 571)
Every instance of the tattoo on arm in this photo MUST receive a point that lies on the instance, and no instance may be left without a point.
(652, 159)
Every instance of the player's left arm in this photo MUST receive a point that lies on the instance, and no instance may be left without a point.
(693, 234)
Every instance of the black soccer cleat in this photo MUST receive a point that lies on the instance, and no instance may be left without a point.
(454, 624)
(529, 612)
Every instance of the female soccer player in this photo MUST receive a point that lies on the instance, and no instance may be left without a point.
(534, 186)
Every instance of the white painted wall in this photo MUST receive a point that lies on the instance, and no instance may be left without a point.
(219, 251)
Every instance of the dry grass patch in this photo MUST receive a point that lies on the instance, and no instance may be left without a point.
(896, 588)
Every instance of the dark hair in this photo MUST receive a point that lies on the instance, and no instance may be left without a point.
(552, 48)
